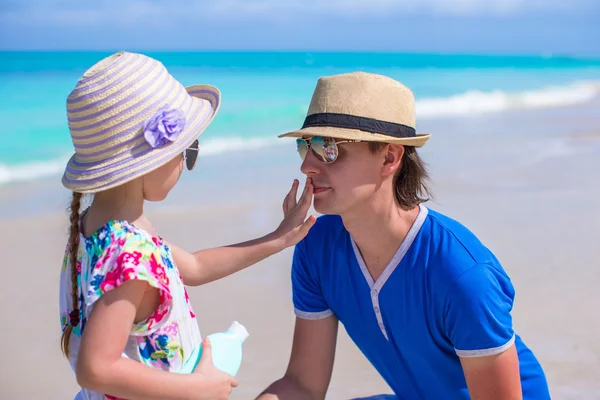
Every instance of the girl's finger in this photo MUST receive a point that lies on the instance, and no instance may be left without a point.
(290, 199)
(306, 200)
(307, 188)
(305, 227)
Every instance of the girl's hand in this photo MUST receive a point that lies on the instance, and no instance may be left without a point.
(295, 226)
(215, 384)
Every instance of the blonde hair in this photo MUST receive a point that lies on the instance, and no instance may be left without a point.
(73, 317)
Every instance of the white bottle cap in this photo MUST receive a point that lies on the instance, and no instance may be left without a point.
(238, 330)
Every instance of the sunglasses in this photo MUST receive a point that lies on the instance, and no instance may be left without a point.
(324, 148)
(190, 155)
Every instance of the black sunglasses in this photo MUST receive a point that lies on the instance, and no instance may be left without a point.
(324, 148)
(190, 155)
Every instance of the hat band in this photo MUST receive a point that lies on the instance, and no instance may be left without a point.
(361, 123)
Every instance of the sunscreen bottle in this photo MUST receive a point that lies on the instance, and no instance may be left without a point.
(226, 350)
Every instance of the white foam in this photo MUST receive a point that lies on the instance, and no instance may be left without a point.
(30, 171)
(475, 102)
(536, 153)
(52, 168)
(229, 144)
(468, 103)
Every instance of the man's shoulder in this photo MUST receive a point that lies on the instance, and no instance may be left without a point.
(449, 224)
(453, 241)
(327, 233)
(326, 225)
(454, 250)
(322, 239)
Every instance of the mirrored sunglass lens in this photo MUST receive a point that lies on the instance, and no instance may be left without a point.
(191, 155)
(325, 149)
(302, 148)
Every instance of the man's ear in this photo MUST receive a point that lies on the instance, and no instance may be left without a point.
(393, 154)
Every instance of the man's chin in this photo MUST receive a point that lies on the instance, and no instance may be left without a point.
(323, 207)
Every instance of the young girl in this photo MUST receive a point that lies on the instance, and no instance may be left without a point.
(128, 326)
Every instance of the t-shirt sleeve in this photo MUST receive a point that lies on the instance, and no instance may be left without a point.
(136, 257)
(478, 312)
(309, 302)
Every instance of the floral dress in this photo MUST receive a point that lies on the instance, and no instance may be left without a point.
(112, 255)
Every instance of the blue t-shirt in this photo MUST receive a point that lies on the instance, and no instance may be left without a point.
(443, 295)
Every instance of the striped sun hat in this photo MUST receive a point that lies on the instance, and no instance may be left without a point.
(128, 116)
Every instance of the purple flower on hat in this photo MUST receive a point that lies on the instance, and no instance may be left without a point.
(164, 126)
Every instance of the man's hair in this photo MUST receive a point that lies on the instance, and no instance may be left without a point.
(411, 180)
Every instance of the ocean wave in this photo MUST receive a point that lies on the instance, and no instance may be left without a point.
(468, 103)
(233, 144)
(475, 102)
(53, 168)
(30, 171)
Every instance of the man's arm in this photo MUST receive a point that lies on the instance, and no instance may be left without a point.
(311, 362)
(494, 377)
(478, 322)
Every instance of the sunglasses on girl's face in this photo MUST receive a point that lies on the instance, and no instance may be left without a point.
(324, 148)
(190, 155)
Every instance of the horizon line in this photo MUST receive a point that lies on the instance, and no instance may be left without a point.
(589, 56)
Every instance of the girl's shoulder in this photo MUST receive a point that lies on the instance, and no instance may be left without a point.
(118, 252)
(121, 233)
(120, 236)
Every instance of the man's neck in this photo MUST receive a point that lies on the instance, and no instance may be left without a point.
(378, 230)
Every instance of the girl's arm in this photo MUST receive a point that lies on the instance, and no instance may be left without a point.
(211, 264)
(101, 368)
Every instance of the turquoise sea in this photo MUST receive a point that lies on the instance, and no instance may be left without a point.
(267, 93)
(514, 155)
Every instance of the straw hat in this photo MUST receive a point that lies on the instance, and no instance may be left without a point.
(128, 116)
(362, 106)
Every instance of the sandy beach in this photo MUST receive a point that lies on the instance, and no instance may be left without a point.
(532, 195)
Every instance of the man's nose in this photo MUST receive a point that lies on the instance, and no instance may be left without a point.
(311, 165)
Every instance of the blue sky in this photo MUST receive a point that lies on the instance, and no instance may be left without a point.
(568, 27)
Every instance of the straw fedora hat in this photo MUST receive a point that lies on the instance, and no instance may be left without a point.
(128, 116)
(362, 106)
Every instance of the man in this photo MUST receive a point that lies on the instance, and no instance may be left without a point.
(425, 301)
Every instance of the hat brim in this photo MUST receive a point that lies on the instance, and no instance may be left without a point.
(142, 159)
(356, 134)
